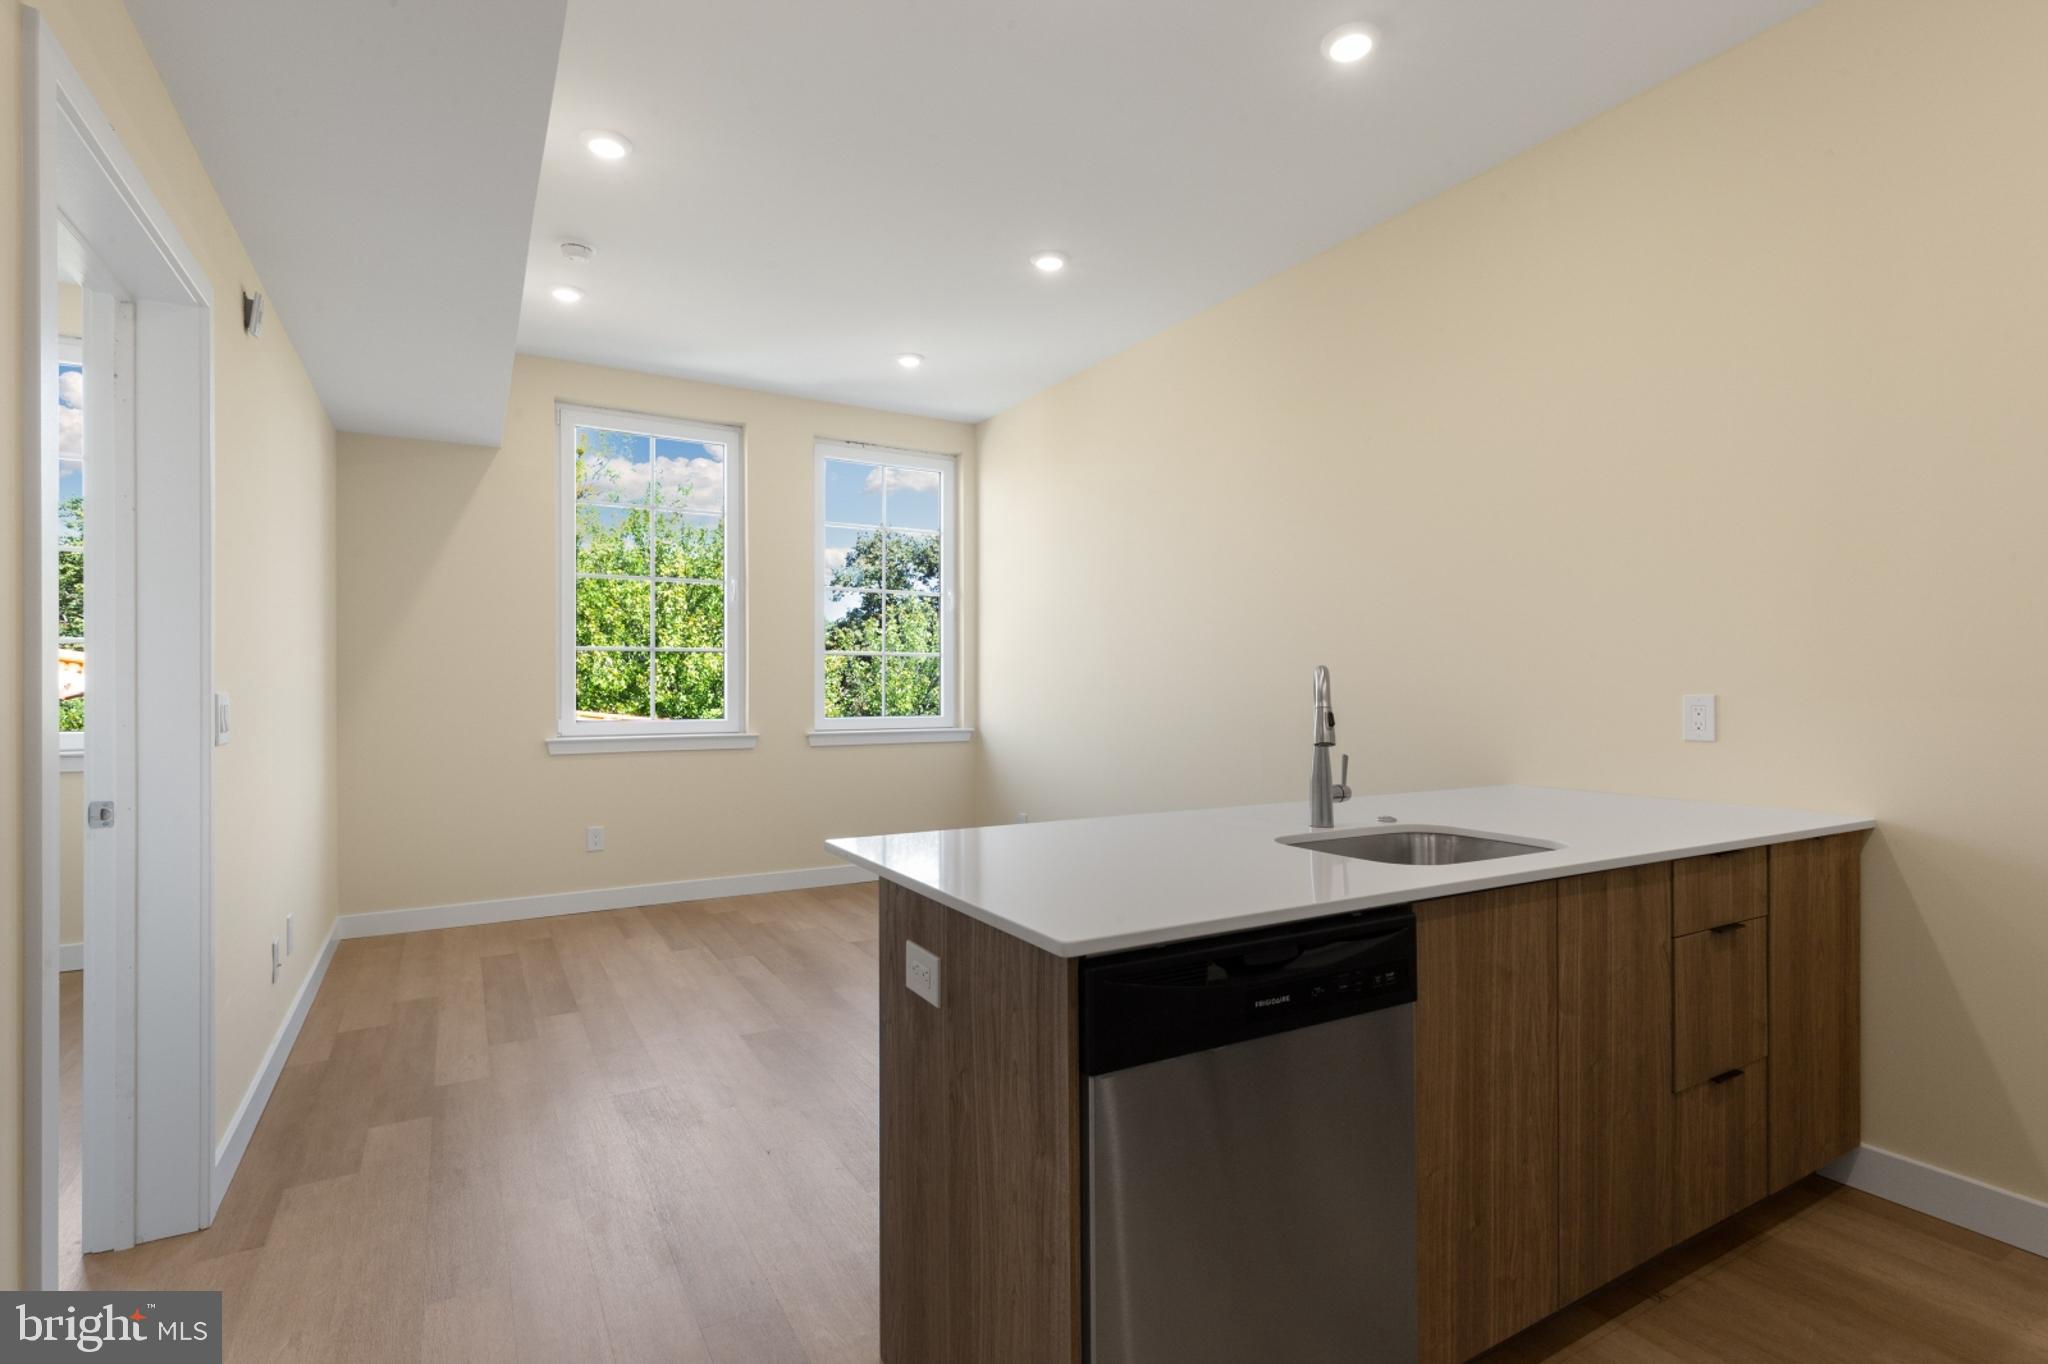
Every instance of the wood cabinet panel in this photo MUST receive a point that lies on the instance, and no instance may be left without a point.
(1725, 888)
(981, 1214)
(1615, 1103)
(1720, 1001)
(1816, 1105)
(1486, 1116)
(1721, 1164)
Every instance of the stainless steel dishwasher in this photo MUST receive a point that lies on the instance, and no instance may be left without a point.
(1251, 1146)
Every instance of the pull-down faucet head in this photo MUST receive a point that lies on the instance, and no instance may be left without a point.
(1323, 794)
(1325, 718)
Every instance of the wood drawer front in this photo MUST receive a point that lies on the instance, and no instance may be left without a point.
(1726, 888)
(1720, 994)
(1723, 1148)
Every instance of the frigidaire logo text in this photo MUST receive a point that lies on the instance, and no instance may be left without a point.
(89, 1331)
(1271, 999)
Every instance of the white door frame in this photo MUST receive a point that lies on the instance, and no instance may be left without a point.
(76, 173)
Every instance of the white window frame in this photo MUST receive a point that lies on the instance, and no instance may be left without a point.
(868, 729)
(71, 743)
(576, 735)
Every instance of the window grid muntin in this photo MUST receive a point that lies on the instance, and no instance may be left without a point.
(938, 598)
(722, 445)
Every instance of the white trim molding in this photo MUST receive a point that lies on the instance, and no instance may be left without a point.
(842, 738)
(71, 956)
(227, 1157)
(378, 922)
(562, 744)
(1983, 1208)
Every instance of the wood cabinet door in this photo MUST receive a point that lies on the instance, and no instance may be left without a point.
(1719, 1001)
(1615, 1099)
(1816, 1004)
(1486, 1116)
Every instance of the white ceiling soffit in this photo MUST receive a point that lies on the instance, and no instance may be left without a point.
(818, 187)
(379, 160)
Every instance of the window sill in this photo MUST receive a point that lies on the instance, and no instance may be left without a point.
(846, 738)
(70, 760)
(645, 743)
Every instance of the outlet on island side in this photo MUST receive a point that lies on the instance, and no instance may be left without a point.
(1696, 718)
(921, 973)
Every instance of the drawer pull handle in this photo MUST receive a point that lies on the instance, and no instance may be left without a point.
(1727, 928)
(1725, 1076)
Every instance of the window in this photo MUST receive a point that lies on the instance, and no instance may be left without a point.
(653, 611)
(887, 637)
(70, 548)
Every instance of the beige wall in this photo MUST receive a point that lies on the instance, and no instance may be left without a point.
(448, 621)
(1738, 388)
(274, 793)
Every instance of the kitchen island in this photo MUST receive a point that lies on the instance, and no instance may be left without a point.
(1639, 1028)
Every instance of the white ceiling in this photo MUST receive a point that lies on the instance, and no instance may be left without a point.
(378, 159)
(819, 186)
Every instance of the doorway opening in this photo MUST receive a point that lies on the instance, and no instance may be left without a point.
(117, 462)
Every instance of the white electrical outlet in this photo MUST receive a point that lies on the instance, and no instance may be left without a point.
(1697, 718)
(223, 719)
(276, 960)
(921, 972)
(288, 935)
(1023, 817)
(593, 838)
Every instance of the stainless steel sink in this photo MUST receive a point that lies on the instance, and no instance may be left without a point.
(1416, 847)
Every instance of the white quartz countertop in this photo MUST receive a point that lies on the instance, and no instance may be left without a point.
(1081, 887)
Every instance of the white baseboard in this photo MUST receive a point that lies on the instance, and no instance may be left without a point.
(376, 923)
(1983, 1208)
(227, 1157)
(71, 956)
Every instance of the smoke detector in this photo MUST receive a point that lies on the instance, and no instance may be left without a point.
(578, 251)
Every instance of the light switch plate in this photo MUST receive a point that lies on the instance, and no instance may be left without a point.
(222, 719)
(921, 973)
(1696, 718)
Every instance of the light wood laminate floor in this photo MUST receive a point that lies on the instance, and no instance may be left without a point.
(650, 1134)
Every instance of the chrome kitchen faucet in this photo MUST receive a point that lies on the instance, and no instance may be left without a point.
(1323, 794)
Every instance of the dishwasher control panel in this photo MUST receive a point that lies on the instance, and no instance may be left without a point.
(1363, 984)
(1157, 1003)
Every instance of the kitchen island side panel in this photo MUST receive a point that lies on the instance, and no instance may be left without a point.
(981, 1212)
(1486, 1096)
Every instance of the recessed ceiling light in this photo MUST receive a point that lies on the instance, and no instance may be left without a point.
(1351, 43)
(607, 146)
(1050, 262)
(566, 293)
(910, 360)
